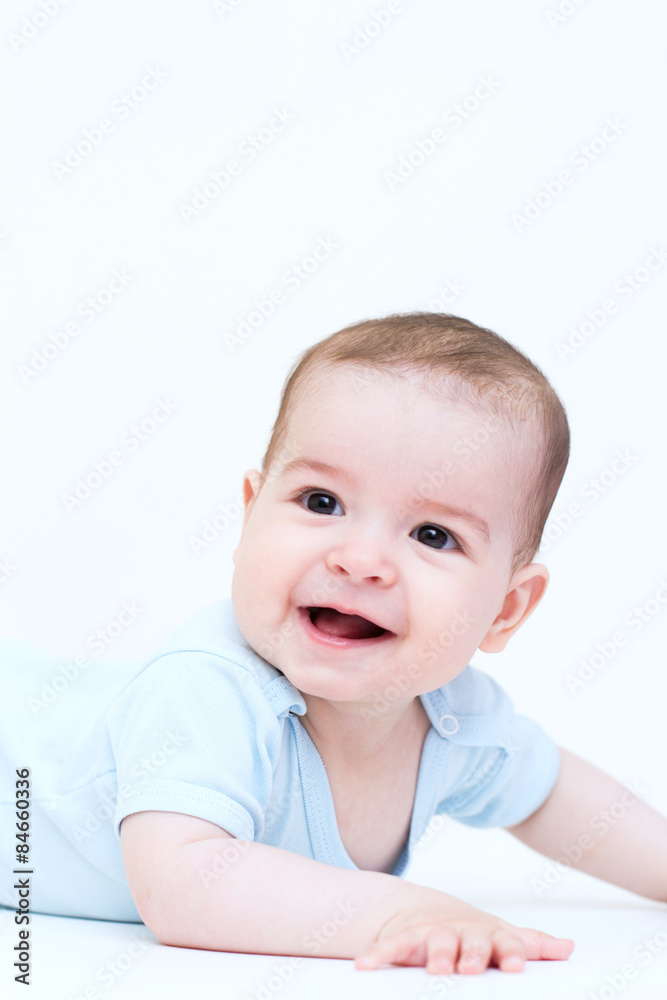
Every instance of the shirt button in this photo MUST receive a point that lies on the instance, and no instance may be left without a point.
(448, 725)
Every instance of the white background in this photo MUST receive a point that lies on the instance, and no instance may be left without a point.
(356, 112)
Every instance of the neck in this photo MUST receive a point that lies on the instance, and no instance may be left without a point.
(362, 741)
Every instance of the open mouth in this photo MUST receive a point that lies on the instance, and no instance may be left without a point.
(343, 626)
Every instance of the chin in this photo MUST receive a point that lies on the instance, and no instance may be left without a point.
(329, 689)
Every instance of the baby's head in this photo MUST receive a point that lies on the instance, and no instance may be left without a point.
(408, 479)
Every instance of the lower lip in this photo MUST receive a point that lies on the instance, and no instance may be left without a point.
(338, 641)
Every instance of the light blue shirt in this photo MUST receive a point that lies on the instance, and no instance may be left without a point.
(209, 728)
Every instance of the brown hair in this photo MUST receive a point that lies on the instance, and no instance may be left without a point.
(474, 367)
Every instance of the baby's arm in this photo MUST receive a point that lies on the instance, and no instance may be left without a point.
(195, 886)
(619, 838)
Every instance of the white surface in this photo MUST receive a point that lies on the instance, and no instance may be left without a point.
(489, 869)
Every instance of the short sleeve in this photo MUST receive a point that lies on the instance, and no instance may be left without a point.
(195, 734)
(502, 766)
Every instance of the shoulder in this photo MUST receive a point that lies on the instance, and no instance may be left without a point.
(475, 692)
(213, 630)
(207, 661)
(472, 709)
(499, 765)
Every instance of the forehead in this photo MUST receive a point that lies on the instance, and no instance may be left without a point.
(349, 405)
(401, 438)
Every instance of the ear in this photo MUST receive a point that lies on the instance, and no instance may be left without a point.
(252, 481)
(527, 588)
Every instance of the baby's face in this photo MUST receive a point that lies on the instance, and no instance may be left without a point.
(351, 538)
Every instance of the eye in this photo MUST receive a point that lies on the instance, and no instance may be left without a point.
(322, 503)
(435, 537)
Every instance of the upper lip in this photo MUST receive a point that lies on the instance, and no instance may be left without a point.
(352, 611)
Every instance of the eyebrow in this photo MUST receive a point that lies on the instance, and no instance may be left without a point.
(448, 510)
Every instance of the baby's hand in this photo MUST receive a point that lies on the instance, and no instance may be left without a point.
(452, 936)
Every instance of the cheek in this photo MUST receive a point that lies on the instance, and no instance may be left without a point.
(456, 619)
(268, 563)
(255, 547)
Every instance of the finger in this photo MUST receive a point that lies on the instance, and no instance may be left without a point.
(442, 948)
(540, 945)
(475, 951)
(405, 948)
(508, 951)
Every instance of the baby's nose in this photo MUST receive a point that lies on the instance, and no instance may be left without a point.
(362, 557)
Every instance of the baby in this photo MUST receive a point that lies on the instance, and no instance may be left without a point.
(268, 773)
